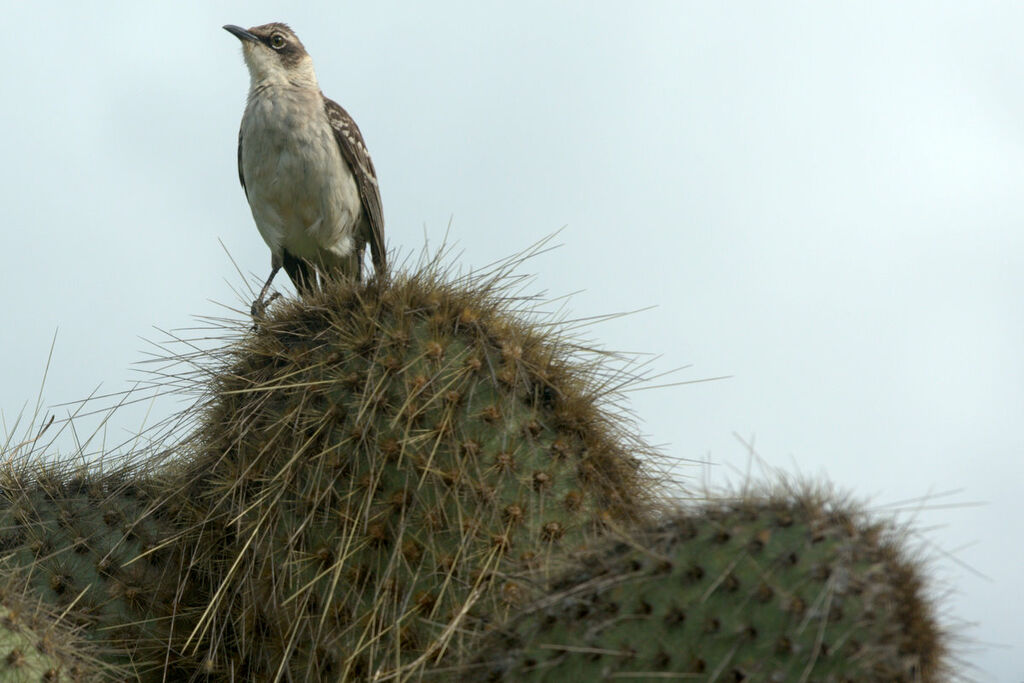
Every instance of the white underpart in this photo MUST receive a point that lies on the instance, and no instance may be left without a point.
(303, 196)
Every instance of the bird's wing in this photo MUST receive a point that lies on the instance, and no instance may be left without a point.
(353, 150)
(241, 176)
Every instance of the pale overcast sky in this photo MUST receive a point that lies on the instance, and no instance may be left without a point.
(821, 199)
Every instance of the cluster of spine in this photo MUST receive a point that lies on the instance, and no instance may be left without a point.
(406, 480)
(765, 589)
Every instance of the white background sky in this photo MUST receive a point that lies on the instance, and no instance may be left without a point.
(822, 200)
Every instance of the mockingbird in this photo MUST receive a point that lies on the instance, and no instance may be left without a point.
(304, 167)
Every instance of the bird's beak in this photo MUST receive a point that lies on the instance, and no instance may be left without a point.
(241, 33)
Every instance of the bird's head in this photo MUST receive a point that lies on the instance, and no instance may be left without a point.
(274, 55)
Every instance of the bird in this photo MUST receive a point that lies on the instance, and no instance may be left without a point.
(304, 168)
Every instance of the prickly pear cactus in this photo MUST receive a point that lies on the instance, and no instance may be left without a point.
(38, 645)
(374, 461)
(92, 548)
(766, 590)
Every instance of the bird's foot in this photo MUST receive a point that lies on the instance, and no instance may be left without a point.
(259, 308)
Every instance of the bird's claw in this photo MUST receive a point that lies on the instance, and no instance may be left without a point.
(259, 308)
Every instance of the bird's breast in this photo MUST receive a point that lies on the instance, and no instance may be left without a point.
(302, 193)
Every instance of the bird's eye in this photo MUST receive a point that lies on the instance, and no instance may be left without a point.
(277, 41)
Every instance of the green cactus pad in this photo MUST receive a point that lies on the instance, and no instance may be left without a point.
(93, 547)
(768, 590)
(38, 645)
(375, 460)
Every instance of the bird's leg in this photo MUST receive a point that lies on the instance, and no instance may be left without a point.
(259, 306)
